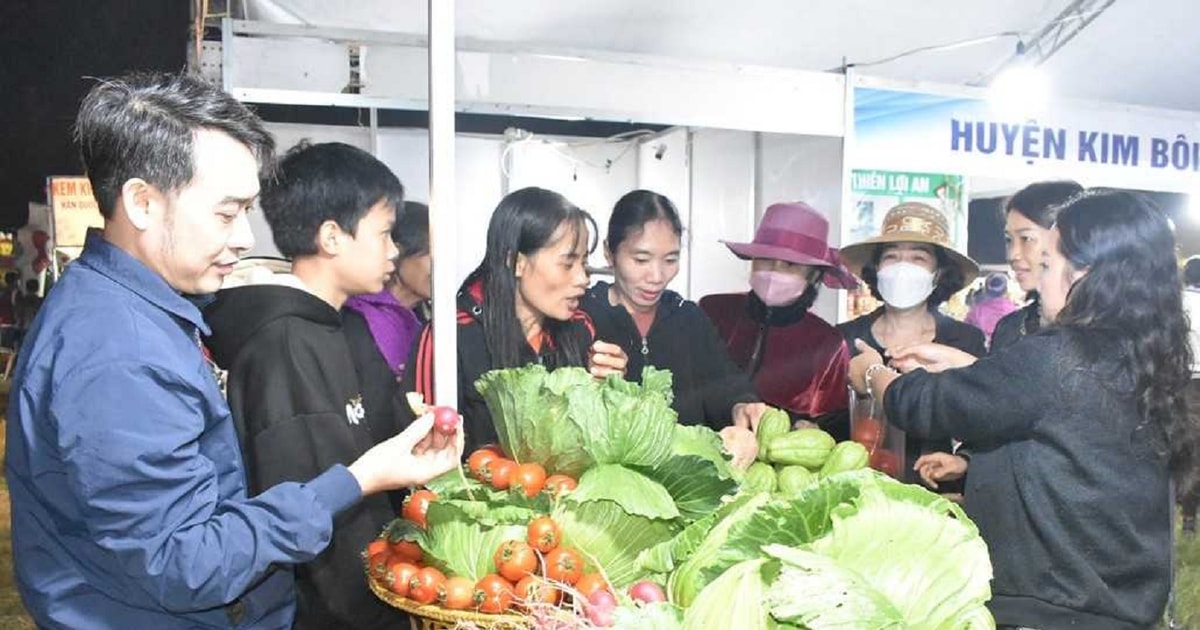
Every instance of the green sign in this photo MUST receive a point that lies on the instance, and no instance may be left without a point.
(902, 184)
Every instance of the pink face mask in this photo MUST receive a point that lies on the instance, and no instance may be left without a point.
(777, 288)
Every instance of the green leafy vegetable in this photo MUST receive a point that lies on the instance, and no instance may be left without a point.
(734, 600)
(607, 534)
(886, 535)
(459, 545)
(687, 581)
(657, 616)
(634, 492)
(815, 592)
(567, 421)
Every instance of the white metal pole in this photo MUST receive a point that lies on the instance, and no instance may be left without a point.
(443, 215)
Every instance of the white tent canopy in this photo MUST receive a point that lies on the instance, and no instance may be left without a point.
(1141, 52)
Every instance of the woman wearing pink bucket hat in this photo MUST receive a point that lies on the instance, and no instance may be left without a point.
(797, 361)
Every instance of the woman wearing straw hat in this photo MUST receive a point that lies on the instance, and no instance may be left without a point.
(797, 360)
(912, 267)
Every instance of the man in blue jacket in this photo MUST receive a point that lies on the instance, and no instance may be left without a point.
(128, 490)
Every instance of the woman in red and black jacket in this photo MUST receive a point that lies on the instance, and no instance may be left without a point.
(521, 305)
(796, 360)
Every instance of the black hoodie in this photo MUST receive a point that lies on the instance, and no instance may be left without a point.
(298, 409)
(706, 382)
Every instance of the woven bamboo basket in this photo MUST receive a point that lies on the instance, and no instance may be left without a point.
(429, 617)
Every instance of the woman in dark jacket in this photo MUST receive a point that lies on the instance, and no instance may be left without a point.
(1077, 428)
(656, 326)
(796, 359)
(520, 306)
(1028, 217)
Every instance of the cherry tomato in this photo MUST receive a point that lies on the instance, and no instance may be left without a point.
(868, 432)
(543, 534)
(399, 575)
(424, 585)
(417, 505)
(885, 462)
(478, 462)
(515, 559)
(558, 485)
(530, 477)
(494, 594)
(406, 550)
(590, 583)
(445, 420)
(499, 473)
(564, 565)
(379, 545)
(647, 592)
(377, 554)
(458, 593)
(377, 563)
(535, 590)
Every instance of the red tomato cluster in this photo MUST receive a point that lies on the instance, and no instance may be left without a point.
(489, 465)
(869, 432)
(528, 571)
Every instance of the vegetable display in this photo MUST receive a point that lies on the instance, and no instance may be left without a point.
(599, 509)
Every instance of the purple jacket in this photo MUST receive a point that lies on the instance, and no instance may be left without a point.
(986, 313)
(394, 326)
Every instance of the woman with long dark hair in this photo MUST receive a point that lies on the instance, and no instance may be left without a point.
(656, 326)
(1028, 217)
(521, 305)
(1078, 428)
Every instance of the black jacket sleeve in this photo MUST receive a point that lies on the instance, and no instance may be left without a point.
(721, 382)
(995, 399)
(296, 392)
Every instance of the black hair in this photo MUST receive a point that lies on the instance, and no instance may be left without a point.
(1039, 202)
(410, 233)
(1131, 292)
(11, 278)
(315, 183)
(142, 126)
(634, 210)
(949, 277)
(524, 222)
(1191, 271)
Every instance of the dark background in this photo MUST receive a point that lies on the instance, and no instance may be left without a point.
(985, 226)
(48, 48)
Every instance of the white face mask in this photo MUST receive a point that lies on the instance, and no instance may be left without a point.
(905, 284)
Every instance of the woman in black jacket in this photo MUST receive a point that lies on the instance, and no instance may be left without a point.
(1028, 217)
(1077, 429)
(656, 326)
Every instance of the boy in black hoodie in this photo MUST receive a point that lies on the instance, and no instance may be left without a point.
(292, 386)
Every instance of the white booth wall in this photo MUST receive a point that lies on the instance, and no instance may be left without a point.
(721, 180)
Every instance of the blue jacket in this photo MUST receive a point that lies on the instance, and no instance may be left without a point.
(128, 488)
